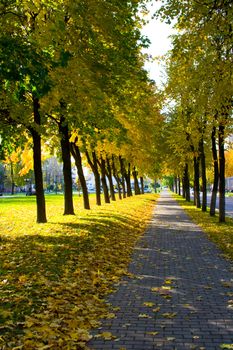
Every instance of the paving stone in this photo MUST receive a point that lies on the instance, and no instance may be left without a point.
(194, 313)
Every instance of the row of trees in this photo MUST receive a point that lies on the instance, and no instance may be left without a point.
(72, 77)
(200, 90)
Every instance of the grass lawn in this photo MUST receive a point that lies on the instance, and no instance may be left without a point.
(54, 276)
(220, 233)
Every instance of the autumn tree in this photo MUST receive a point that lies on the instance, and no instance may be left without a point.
(229, 163)
(58, 53)
(205, 39)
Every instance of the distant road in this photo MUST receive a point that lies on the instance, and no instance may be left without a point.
(229, 204)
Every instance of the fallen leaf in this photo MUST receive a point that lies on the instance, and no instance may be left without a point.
(169, 314)
(144, 316)
(157, 309)
(152, 333)
(149, 304)
(106, 336)
(226, 284)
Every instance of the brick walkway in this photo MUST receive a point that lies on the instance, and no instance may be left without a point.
(181, 295)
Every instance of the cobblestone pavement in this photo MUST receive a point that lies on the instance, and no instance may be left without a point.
(180, 296)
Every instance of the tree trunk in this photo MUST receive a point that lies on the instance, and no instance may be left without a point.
(78, 162)
(215, 184)
(12, 179)
(183, 186)
(94, 166)
(175, 183)
(197, 200)
(128, 184)
(123, 186)
(187, 184)
(103, 180)
(65, 149)
(40, 198)
(221, 173)
(179, 189)
(203, 175)
(142, 184)
(115, 174)
(123, 176)
(136, 184)
(109, 175)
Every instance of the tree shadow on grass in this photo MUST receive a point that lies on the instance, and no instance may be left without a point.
(34, 265)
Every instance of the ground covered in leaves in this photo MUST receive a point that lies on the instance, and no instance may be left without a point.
(220, 233)
(54, 276)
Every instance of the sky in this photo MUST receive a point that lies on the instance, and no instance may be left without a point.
(158, 32)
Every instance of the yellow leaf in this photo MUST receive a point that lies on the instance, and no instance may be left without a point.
(83, 335)
(149, 304)
(74, 136)
(168, 282)
(227, 284)
(156, 309)
(74, 335)
(73, 323)
(107, 336)
(169, 314)
(28, 333)
(152, 333)
(22, 279)
(166, 287)
(29, 324)
(117, 308)
(144, 316)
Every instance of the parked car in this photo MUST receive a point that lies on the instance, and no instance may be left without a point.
(91, 190)
(147, 189)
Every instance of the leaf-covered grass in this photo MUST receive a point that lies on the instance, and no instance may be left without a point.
(54, 276)
(219, 233)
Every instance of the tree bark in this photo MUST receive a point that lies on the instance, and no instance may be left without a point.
(215, 184)
(183, 186)
(179, 189)
(187, 184)
(12, 179)
(175, 184)
(136, 184)
(65, 149)
(102, 165)
(109, 175)
(40, 198)
(203, 175)
(94, 166)
(197, 200)
(78, 162)
(128, 184)
(142, 184)
(123, 176)
(221, 158)
(115, 174)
